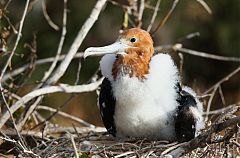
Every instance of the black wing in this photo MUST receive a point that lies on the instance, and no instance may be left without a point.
(107, 106)
(185, 122)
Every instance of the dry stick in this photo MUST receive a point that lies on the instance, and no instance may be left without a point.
(206, 55)
(205, 6)
(222, 110)
(181, 62)
(19, 145)
(210, 102)
(221, 95)
(204, 138)
(19, 35)
(46, 16)
(38, 62)
(223, 80)
(77, 42)
(50, 70)
(66, 115)
(9, 22)
(60, 46)
(78, 71)
(5, 7)
(140, 13)
(160, 25)
(178, 47)
(154, 16)
(8, 63)
(47, 90)
(74, 146)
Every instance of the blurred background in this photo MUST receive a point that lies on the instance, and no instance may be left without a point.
(219, 34)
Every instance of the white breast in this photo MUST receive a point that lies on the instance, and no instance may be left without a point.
(145, 108)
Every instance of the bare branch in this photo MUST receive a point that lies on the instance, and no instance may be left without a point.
(203, 138)
(223, 80)
(164, 20)
(66, 115)
(154, 16)
(46, 90)
(206, 55)
(38, 62)
(19, 35)
(140, 12)
(50, 70)
(74, 146)
(205, 6)
(77, 42)
(210, 102)
(46, 16)
(59, 50)
(8, 112)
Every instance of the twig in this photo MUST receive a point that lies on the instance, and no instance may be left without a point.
(154, 16)
(66, 115)
(51, 89)
(50, 70)
(20, 146)
(204, 138)
(206, 55)
(124, 154)
(164, 20)
(221, 95)
(210, 102)
(140, 12)
(189, 36)
(222, 110)
(205, 6)
(28, 113)
(78, 71)
(38, 62)
(59, 50)
(55, 113)
(74, 146)
(8, 112)
(223, 80)
(77, 42)
(46, 16)
(7, 4)
(19, 35)
(178, 47)
(181, 62)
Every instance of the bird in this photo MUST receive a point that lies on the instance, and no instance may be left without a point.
(140, 95)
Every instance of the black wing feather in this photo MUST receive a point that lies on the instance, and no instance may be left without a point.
(185, 122)
(107, 106)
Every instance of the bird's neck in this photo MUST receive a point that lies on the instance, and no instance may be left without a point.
(133, 65)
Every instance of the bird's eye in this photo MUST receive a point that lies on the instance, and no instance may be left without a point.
(133, 39)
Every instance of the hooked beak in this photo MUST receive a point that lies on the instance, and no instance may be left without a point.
(115, 48)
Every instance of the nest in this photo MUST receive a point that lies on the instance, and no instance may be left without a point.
(221, 137)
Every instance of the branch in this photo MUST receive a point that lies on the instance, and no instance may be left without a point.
(46, 16)
(203, 139)
(66, 115)
(77, 42)
(19, 35)
(38, 62)
(47, 90)
(206, 55)
(223, 80)
(164, 20)
(205, 6)
(154, 16)
(59, 50)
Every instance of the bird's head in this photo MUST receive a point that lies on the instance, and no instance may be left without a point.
(134, 49)
(131, 43)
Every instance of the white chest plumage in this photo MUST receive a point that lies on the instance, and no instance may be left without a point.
(144, 108)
